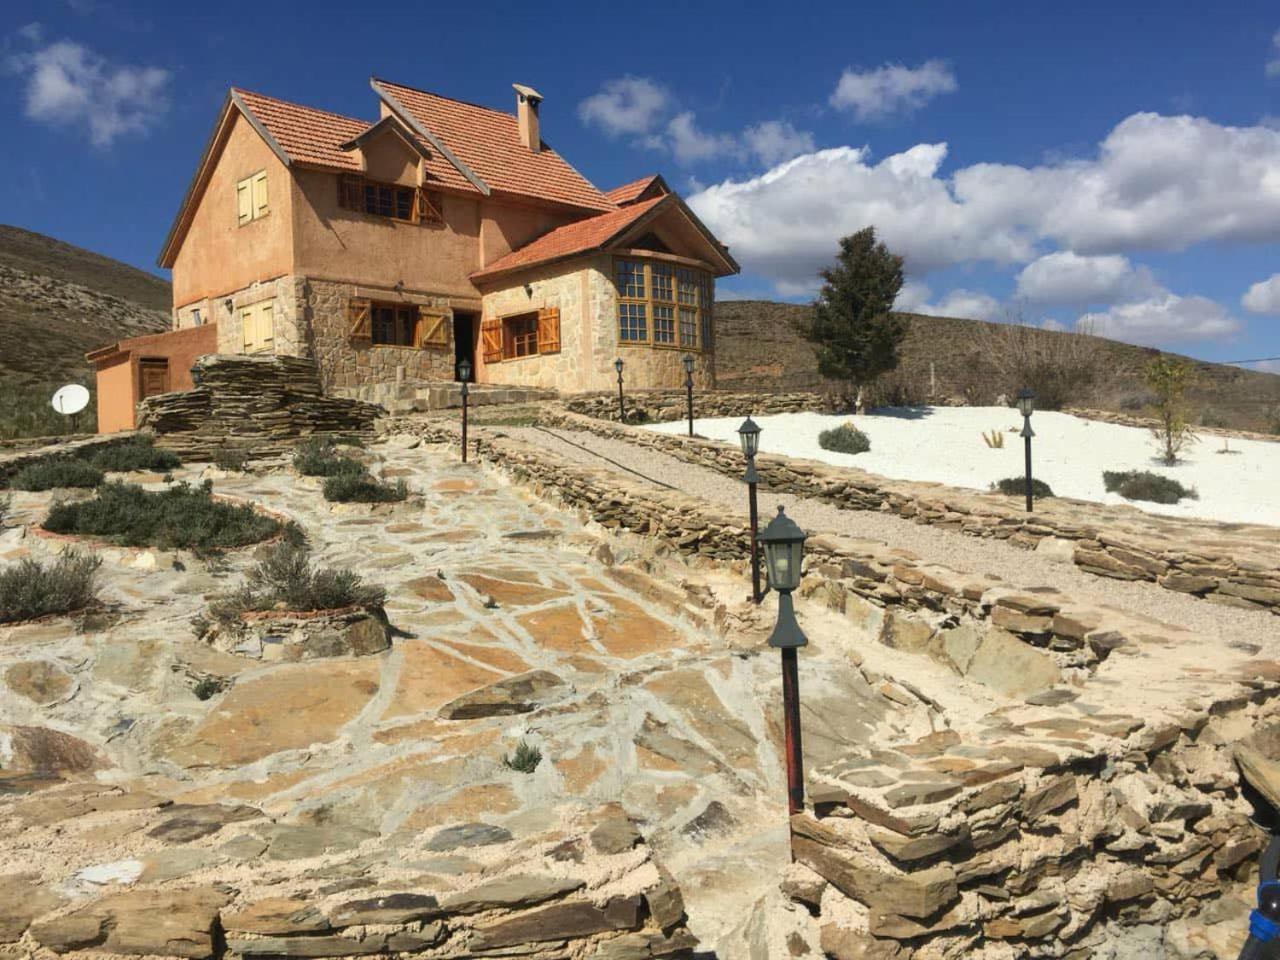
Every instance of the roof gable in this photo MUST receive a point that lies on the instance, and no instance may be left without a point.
(643, 189)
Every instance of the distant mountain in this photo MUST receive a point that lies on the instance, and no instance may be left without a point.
(57, 302)
(757, 348)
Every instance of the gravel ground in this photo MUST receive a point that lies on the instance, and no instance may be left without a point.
(1019, 567)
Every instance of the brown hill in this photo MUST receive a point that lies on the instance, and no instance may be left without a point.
(757, 348)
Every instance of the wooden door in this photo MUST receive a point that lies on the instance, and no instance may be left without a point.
(155, 377)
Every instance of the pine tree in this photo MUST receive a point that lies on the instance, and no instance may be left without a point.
(856, 335)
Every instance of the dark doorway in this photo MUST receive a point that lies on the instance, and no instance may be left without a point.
(464, 341)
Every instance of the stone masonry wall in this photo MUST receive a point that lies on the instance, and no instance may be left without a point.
(661, 406)
(290, 336)
(1233, 564)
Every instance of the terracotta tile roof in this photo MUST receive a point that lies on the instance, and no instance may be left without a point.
(488, 141)
(629, 191)
(582, 236)
(312, 136)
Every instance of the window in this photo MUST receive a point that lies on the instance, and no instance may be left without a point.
(410, 204)
(195, 317)
(663, 304)
(251, 198)
(397, 324)
(520, 336)
(257, 325)
(394, 325)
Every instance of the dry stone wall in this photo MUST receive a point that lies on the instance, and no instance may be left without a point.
(1234, 564)
(661, 406)
(13, 459)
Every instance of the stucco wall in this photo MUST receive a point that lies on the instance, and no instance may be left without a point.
(219, 254)
(116, 394)
(119, 387)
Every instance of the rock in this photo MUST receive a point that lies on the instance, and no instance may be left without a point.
(173, 923)
(290, 841)
(915, 794)
(276, 916)
(170, 863)
(665, 902)
(1008, 665)
(22, 899)
(615, 833)
(1048, 797)
(918, 894)
(909, 849)
(842, 943)
(468, 835)
(560, 921)
(187, 823)
(73, 932)
(307, 947)
(714, 819)
(44, 751)
(430, 588)
(1129, 885)
(508, 893)
(801, 884)
(389, 908)
(514, 695)
(1056, 549)
(903, 632)
(40, 681)
(1259, 759)
(641, 946)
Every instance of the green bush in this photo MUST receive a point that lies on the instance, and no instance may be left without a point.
(206, 687)
(1017, 487)
(286, 578)
(844, 439)
(180, 516)
(526, 759)
(1145, 485)
(137, 453)
(362, 488)
(316, 457)
(52, 472)
(234, 459)
(32, 589)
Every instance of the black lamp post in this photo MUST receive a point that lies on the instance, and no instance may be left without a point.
(1026, 406)
(622, 410)
(783, 544)
(464, 374)
(749, 437)
(688, 386)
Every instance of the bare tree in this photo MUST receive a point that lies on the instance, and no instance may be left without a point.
(1058, 366)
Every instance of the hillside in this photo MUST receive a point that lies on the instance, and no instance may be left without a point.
(757, 347)
(58, 301)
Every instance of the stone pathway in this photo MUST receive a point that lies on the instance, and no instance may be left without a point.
(640, 680)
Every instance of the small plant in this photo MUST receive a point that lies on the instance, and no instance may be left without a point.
(526, 758)
(316, 457)
(994, 440)
(1017, 487)
(137, 453)
(31, 589)
(1145, 485)
(206, 687)
(56, 472)
(178, 517)
(844, 439)
(1168, 378)
(362, 488)
(232, 459)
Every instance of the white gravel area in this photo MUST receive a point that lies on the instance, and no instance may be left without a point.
(945, 445)
(1018, 567)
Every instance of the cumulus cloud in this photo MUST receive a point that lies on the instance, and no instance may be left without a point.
(689, 144)
(1161, 319)
(1263, 296)
(892, 88)
(626, 106)
(68, 85)
(1065, 278)
(961, 303)
(775, 141)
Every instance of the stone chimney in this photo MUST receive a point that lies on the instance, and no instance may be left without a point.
(527, 100)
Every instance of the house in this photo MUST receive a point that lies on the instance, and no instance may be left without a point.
(388, 251)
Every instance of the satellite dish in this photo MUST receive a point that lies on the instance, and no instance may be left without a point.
(70, 399)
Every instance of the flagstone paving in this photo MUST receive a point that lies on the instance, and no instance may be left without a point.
(510, 622)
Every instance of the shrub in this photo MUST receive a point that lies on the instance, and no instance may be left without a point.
(138, 453)
(1209, 417)
(316, 457)
(1017, 487)
(362, 488)
(181, 516)
(233, 459)
(206, 688)
(286, 578)
(1137, 401)
(32, 589)
(62, 471)
(1168, 377)
(25, 410)
(526, 759)
(994, 440)
(844, 439)
(899, 388)
(1145, 485)
(1057, 367)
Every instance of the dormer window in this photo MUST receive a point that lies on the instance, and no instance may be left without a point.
(409, 204)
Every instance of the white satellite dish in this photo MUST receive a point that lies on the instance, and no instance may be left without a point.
(70, 399)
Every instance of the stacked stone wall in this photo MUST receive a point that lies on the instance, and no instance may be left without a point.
(663, 406)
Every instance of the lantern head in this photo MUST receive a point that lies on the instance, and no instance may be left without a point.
(464, 370)
(1026, 402)
(617, 365)
(687, 360)
(783, 543)
(749, 437)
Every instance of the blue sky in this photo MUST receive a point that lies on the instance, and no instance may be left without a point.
(1118, 163)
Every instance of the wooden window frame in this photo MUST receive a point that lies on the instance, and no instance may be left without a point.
(662, 297)
(425, 206)
(400, 313)
(500, 343)
(518, 344)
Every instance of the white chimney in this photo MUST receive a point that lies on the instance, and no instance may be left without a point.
(527, 100)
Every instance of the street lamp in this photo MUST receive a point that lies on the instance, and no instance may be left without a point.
(622, 410)
(749, 437)
(1026, 406)
(688, 386)
(783, 544)
(464, 374)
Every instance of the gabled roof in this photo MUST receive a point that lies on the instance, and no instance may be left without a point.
(388, 124)
(598, 233)
(488, 143)
(642, 189)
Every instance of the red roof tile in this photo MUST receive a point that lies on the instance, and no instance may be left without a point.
(582, 236)
(630, 191)
(488, 141)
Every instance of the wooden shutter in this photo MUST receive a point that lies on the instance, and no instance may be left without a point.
(249, 328)
(266, 325)
(155, 377)
(359, 319)
(429, 207)
(491, 340)
(549, 330)
(433, 327)
(260, 195)
(244, 201)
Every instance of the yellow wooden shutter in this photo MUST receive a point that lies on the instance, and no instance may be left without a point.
(433, 327)
(549, 330)
(491, 340)
(249, 328)
(260, 195)
(359, 319)
(266, 325)
(244, 201)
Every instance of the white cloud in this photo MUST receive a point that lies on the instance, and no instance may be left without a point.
(1272, 68)
(1068, 279)
(1263, 296)
(69, 85)
(690, 145)
(893, 88)
(1162, 319)
(961, 303)
(774, 141)
(626, 106)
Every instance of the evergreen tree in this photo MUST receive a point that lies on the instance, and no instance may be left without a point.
(856, 335)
